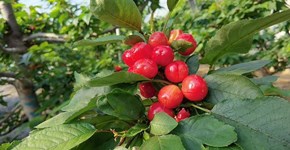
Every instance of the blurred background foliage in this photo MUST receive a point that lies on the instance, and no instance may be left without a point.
(51, 64)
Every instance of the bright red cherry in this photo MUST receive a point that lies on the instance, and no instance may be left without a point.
(145, 67)
(127, 57)
(174, 34)
(182, 114)
(189, 38)
(141, 50)
(162, 55)
(147, 90)
(176, 71)
(194, 88)
(157, 107)
(158, 38)
(138, 51)
(117, 68)
(170, 96)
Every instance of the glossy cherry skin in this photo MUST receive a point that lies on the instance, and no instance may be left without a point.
(146, 67)
(194, 88)
(157, 39)
(182, 114)
(127, 57)
(189, 38)
(170, 96)
(174, 34)
(156, 108)
(176, 71)
(162, 55)
(147, 90)
(138, 51)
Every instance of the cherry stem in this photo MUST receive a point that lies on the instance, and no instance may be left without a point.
(152, 21)
(166, 21)
(200, 108)
(161, 81)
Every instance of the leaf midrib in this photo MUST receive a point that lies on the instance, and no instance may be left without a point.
(115, 17)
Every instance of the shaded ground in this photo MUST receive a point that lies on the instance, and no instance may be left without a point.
(6, 112)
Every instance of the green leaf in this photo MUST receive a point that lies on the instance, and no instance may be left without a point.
(180, 45)
(243, 67)
(231, 147)
(107, 122)
(117, 78)
(81, 80)
(122, 105)
(5, 146)
(123, 13)
(205, 129)
(100, 41)
(230, 86)
(9, 146)
(171, 4)
(131, 40)
(83, 97)
(57, 138)
(164, 142)
(268, 80)
(66, 117)
(237, 37)
(138, 128)
(193, 64)
(261, 123)
(99, 141)
(86, 18)
(162, 124)
(59, 119)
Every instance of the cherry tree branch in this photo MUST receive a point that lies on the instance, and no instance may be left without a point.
(49, 37)
(7, 75)
(14, 36)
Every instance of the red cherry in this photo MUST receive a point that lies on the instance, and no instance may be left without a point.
(174, 34)
(176, 71)
(157, 107)
(158, 38)
(141, 50)
(170, 96)
(138, 51)
(127, 57)
(130, 69)
(189, 38)
(194, 88)
(162, 55)
(147, 90)
(182, 114)
(145, 67)
(117, 68)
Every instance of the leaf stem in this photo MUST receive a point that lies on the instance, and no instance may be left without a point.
(166, 21)
(200, 108)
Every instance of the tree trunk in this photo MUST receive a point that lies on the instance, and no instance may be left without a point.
(27, 96)
(16, 47)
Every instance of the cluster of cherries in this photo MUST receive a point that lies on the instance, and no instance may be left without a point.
(155, 59)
